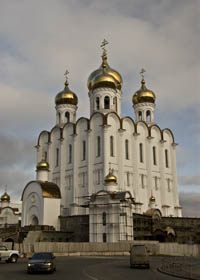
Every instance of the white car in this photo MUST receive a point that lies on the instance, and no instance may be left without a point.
(8, 255)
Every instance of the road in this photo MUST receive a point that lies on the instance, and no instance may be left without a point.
(86, 268)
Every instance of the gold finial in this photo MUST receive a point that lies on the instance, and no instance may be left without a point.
(66, 77)
(142, 73)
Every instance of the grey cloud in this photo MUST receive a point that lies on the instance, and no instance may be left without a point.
(190, 204)
(189, 180)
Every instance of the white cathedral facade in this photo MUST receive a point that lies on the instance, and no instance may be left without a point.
(107, 166)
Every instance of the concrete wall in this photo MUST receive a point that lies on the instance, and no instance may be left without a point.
(98, 249)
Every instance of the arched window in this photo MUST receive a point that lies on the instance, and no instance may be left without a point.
(97, 103)
(45, 156)
(106, 102)
(70, 153)
(98, 146)
(104, 218)
(57, 157)
(126, 149)
(83, 150)
(67, 116)
(154, 156)
(148, 116)
(104, 237)
(111, 147)
(140, 116)
(141, 152)
(59, 118)
(166, 158)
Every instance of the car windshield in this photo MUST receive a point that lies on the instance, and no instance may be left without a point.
(41, 256)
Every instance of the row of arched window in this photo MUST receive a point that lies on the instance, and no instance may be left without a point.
(106, 102)
(98, 152)
(148, 116)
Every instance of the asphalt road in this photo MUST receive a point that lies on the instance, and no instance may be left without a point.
(86, 268)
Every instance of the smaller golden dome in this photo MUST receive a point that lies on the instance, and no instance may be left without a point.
(5, 197)
(42, 165)
(143, 95)
(152, 198)
(110, 178)
(66, 96)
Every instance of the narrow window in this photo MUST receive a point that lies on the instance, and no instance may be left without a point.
(83, 150)
(45, 156)
(97, 103)
(111, 147)
(57, 157)
(104, 218)
(106, 102)
(67, 117)
(166, 159)
(154, 156)
(128, 179)
(156, 183)
(168, 185)
(141, 152)
(126, 149)
(148, 116)
(70, 153)
(98, 176)
(142, 180)
(98, 146)
(104, 237)
(139, 115)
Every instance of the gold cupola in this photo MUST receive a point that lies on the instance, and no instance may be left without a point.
(152, 198)
(66, 96)
(42, 165)
(110, 178)
(5, 197)
(104, 76)
(143, 94)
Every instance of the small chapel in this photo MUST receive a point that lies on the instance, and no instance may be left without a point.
(106, 166)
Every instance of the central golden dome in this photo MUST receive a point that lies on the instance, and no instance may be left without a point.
(105, 76)
(143, 95)
(66, 96)
(5, 197)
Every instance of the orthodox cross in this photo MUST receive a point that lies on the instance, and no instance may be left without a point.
(142, 72)
(103, 45)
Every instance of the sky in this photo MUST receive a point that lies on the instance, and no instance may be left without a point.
(39, 40)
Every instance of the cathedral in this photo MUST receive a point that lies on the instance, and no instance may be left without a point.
(105, 166)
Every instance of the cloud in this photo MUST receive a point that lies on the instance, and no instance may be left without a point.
(190, 204)
(190, 180)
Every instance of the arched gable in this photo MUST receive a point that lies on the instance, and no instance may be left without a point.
(69, 129)
(142, 128)
(167, 135)
(43, 135)
(56, 133)
(155, 132)
(113, 120)
(97, 119)
(82, 124)
(128, 124)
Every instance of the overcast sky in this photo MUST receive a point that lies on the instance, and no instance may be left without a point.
(39, 40)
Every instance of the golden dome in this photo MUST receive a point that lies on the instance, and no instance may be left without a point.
(104, 73)
(110, 178)
(5, 197)
(42, 165)
(152, 198)
(143, 95)
(66, 96)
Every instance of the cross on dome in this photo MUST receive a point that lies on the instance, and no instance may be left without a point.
(142, 72)
(103, 46)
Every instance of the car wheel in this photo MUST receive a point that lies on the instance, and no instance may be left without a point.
(13, 258)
